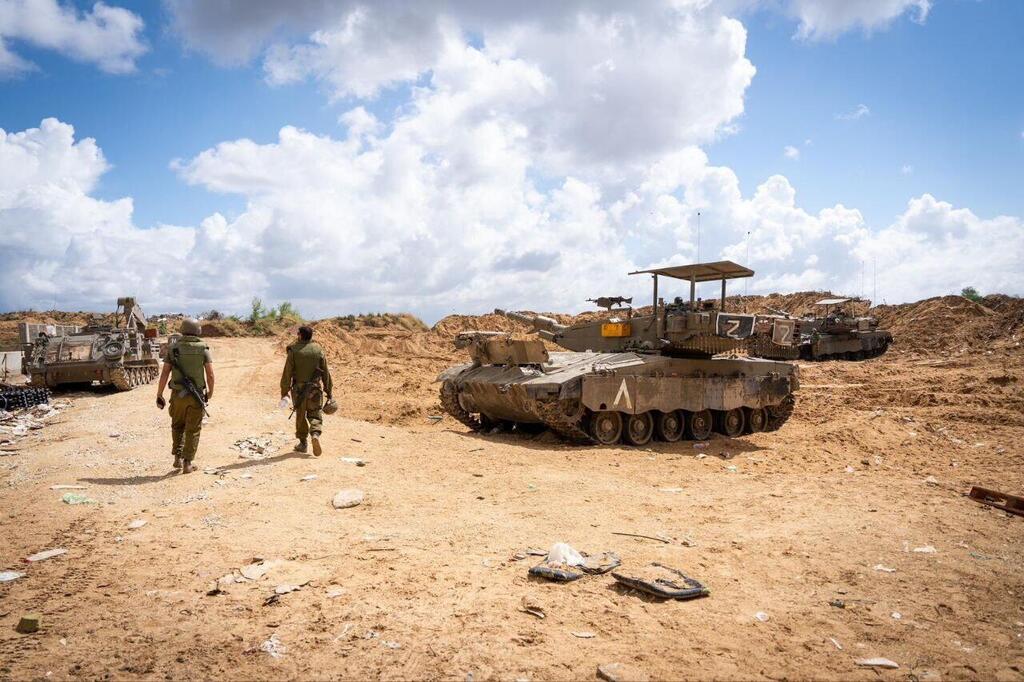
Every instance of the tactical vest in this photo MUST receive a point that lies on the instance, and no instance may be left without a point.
(306, 357)
(190, 354)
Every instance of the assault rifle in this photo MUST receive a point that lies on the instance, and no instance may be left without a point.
(190, 386)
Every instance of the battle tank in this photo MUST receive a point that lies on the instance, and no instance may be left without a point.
(124, 354)
(626, 376)
(834, 335)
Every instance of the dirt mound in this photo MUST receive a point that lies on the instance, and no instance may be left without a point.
(452, 325)
(951, 323)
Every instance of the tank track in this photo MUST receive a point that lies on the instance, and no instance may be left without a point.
(450, 404)
(127, 378)
(569, 427)
(779, 414)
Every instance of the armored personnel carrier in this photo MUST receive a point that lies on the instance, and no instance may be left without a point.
(124, 354)
(833, 335)
(626, 377)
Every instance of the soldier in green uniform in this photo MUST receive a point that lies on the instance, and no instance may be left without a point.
(193, 356)
(305, 371)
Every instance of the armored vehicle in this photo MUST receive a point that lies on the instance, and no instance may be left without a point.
(626, 376)
(834, 335)
(124, 354)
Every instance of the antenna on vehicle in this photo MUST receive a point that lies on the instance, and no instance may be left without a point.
(698, 236)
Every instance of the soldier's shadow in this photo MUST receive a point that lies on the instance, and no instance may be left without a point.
(268, 460)
(131, 480)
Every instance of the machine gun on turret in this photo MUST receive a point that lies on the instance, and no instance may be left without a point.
(608, 302)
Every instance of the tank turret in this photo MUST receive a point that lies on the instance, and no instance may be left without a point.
(694, 328)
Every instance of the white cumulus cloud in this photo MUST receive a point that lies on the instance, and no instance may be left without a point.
(826, 19)
(426, 219)
(109, 37)
(791, 152)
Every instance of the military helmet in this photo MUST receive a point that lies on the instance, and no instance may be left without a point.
(331, 407)
(191, 327)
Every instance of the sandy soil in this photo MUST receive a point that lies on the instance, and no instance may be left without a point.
(420, 580)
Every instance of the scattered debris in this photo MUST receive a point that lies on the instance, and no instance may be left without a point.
(1011, 504)
(927, 549)
(583, 635)
(896, 615)
(63, 486)
(29, 623)
(256, 570)
(8, 576)
(310, 477)
(877, 663)
(347, 498)
(931, 480)
(671, 490)
(617, 672)
(354, 460)
(76, 498)
(562, 558)
(884, 569)
(274, 647)
(838, 603)
(392, 645)
(46, 554)
(255, 447)
(285, 589)
(532, 608)
(137, 523)
(647, 537)
(663, 581)
(435, 417)
(761, 616)
(335, 593)
(836, 643)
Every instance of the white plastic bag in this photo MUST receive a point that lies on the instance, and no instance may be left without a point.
(563, 553)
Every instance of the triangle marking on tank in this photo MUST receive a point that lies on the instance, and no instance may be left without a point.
(623, 393)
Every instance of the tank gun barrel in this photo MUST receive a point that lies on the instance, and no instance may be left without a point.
(777, 311)
(538, 322)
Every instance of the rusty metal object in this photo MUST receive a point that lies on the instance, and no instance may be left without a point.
(1011, 504)
(124, 354)
(630, 379)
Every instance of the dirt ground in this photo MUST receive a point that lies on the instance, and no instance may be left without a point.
(420, 581)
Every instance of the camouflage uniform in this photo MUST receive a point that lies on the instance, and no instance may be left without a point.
(192, 354)
(305, 370)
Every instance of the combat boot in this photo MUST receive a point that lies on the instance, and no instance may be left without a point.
(301, 447)
(188, 468)
(317, 450)
(177, 462)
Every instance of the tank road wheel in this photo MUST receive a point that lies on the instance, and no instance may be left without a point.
(670, 425)
(757, 419)
(698, 426)
(639, 428)
(606, 427)
(730, 422)
(450, 403)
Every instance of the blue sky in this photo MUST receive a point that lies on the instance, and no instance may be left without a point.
(946, 121)
(946, 97)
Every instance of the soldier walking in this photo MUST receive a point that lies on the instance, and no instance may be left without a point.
(305, 372)
(188, 360)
